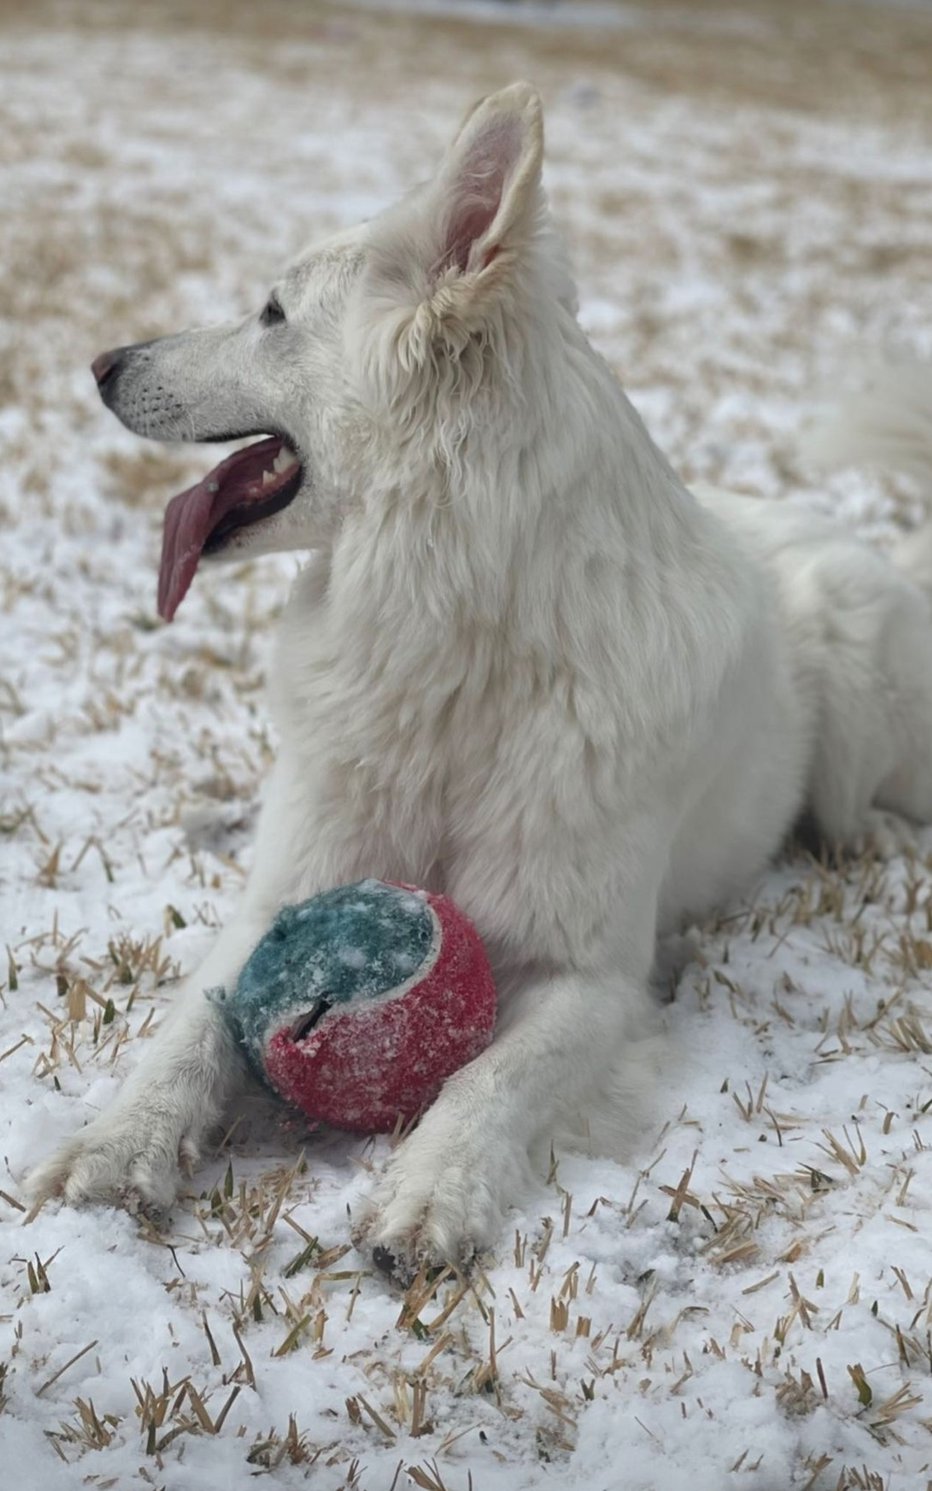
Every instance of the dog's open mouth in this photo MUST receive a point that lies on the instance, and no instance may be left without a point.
(245, 488)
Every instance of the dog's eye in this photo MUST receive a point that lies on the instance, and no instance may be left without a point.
(272, 313)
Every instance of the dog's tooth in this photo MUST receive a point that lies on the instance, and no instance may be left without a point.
(285, 459)
(268, 477)
(213, 486)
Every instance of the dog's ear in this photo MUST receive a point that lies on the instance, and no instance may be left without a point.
(443, 263)
(486, 198)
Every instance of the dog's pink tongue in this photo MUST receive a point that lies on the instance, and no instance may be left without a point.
(189, 518)
(192, 516)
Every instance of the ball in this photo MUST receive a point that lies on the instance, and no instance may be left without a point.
(358, 1003)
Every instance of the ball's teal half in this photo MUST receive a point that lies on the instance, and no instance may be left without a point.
(346, 945)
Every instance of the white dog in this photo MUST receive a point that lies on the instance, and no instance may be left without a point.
(524, 666)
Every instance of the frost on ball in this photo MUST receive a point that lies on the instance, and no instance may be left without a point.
(357, 1004)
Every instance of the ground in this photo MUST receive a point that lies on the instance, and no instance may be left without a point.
(746, 192)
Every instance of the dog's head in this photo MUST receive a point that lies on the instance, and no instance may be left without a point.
(371, 357)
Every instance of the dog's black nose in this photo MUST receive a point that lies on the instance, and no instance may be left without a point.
(104, 366)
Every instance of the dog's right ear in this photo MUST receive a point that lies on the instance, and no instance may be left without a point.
(442, 265)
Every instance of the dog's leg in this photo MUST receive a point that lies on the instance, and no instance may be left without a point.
(871, 779)
(134, 1152)
(446, 1188)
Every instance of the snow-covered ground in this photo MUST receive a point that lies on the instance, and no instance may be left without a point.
(747, 193)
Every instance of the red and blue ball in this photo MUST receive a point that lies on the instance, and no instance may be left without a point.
(358, 1003)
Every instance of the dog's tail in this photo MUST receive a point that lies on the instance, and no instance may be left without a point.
(887, 426)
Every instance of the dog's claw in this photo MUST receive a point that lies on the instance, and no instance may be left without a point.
(386, 1262)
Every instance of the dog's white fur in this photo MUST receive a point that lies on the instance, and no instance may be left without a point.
(524, 666)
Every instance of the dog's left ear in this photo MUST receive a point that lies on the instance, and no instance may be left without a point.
(486, 198)
(442, 263)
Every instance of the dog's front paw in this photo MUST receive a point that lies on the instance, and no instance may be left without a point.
(441, 1200)
(132, 1158)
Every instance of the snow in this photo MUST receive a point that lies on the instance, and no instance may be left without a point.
(747, 1301)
